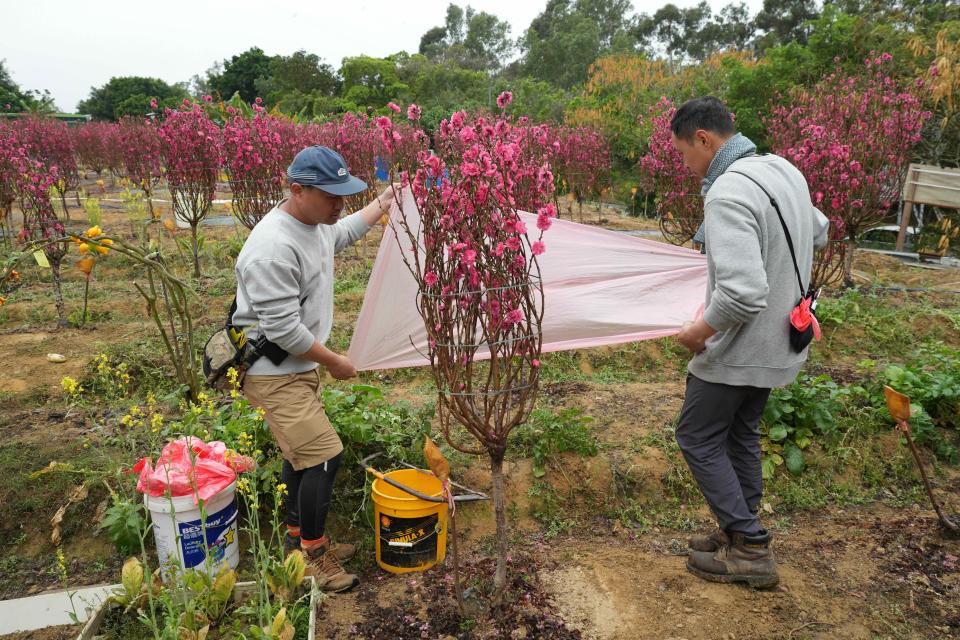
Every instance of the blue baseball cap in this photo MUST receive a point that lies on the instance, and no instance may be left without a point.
(324, 169)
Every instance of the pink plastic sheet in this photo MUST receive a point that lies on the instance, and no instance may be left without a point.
(600, 287)
(213, 466)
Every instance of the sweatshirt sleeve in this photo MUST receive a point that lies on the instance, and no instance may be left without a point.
(821, 229)
(348, 231)
(740, 283)
(271, 286)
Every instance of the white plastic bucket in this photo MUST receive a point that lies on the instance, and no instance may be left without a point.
(178, 530)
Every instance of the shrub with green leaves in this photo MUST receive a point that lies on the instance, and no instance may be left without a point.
(931, 378)
(124, 523)
(794, 415)
(367, 423)
(546, 434)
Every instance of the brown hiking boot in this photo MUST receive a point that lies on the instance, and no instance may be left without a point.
(746, 559)
(713, 542)
(343, 551)
(327, 570)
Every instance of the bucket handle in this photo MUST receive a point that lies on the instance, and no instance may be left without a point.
(394, 483)
(471, 497)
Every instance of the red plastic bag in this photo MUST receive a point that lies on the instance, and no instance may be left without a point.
(802, 317)
(190, 466)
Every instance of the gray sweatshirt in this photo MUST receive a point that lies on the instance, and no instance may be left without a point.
(285, 284)
(751, 283)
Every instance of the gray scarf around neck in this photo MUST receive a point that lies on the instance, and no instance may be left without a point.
(738, 146)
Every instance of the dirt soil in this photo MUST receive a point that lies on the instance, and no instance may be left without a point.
(63, 632)
(864, 573)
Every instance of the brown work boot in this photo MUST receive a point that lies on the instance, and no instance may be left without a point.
(746, 559)
(343, 551)
(713, 542)
(327, 570)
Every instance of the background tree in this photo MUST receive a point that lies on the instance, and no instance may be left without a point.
(240, 74)
(784, 21)
(562, 50)
(852, 136)
(14, 99)
(295, 80)
(370, 81)
(473, 40)
(130, 96)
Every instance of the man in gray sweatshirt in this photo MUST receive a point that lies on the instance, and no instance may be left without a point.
(741, 344)
(285, 294)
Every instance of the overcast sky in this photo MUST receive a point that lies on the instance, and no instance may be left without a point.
(69, 46)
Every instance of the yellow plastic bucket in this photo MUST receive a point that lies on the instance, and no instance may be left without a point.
(411, 533)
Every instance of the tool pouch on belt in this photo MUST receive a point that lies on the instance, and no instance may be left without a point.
(224, 350)
(229, 348)
(803, 319)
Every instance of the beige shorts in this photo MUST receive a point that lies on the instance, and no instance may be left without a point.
(294, 411)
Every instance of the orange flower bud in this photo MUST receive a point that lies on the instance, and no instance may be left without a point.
(168, 225)
(3, 301)
(101, 250)
(84, 248)
(93, 232)
(86, 265)
(14, 275)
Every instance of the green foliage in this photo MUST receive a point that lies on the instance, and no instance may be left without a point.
(469, 39)
(837, 311)
(817, 409)
(13, 99)
(124, 523)
(370, 81)
(367, 423)
(546, 434)
(794, 416)
(130, 96)
(931, 378)
(241, 73)
(293, 80)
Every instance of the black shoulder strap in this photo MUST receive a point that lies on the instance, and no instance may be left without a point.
(233, 310)
(786, 232)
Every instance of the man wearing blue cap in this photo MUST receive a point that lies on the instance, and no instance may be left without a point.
(285, 294)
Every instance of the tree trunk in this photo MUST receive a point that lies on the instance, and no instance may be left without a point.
(499, 497)
(58, 292)
(79, 204)
(196, 249)
(63, 200)
(848, 262)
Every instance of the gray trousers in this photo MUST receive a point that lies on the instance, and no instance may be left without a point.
(719, 436)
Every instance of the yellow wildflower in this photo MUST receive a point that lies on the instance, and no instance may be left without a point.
(156, 422)
(71, 386)
(84, 248)
(281, 489)
(93, 231)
